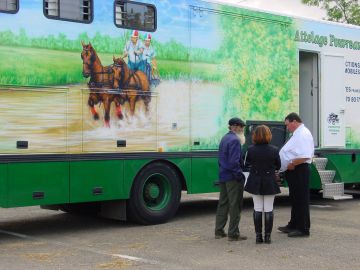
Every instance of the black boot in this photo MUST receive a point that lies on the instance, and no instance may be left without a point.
(269, 219)
(258, 226)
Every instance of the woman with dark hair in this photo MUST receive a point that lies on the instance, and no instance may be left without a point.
(264, 160)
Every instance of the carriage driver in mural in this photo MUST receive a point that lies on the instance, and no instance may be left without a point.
(134, 51)
(150, 61)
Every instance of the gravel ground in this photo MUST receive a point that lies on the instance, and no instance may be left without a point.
(33, 238)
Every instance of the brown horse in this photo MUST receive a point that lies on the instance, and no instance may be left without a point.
(132, 84)
(100, 84)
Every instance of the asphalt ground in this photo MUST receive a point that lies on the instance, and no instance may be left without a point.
(33, 238)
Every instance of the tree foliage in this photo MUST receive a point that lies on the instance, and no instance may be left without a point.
(260, 59)
(345, 11)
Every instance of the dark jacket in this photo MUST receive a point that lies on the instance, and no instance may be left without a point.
(263, 159)
(230, 158)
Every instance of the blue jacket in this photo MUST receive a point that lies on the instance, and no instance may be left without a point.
(230, 158)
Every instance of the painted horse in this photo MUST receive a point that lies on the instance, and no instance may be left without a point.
(133, 85)
(101, 84)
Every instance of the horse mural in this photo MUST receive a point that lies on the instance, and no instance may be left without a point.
(132, 84)
(154, 70)
(101, 84)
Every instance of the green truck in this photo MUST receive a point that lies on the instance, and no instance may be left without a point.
(120, 105)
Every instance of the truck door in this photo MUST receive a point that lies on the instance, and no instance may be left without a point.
(309, 92)
(333, 102)
(206, 97)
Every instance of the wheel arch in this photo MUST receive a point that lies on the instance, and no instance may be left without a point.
(184, 185)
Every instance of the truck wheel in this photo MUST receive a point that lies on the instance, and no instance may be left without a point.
(155, 194)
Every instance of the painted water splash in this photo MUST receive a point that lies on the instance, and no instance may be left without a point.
(61, 121)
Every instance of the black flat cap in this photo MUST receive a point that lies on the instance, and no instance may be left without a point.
(236, 122)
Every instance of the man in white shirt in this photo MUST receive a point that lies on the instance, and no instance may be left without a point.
(296, 156)
(134, 50)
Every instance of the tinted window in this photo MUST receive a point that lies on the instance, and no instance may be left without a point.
(69, 10)
(133, 15)
(9, 6)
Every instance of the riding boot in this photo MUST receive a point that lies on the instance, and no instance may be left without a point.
(258, 226)
(269, 219)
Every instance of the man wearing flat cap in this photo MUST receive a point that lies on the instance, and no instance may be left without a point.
(231, 182)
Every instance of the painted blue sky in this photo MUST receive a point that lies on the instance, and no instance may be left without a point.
(170, 13)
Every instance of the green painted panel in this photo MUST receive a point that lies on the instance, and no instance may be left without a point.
(96, 180)
(204, 172)
(3, 185)
(49, 178)
(347, 169)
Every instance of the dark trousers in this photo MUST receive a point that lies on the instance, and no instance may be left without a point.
(230, 204)
(299, 193)
(148, 71)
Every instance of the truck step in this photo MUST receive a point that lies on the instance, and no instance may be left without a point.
(340, 197)
(335, 191)
(326, 176)
(320, 163)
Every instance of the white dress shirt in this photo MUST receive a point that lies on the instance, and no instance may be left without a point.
(300, 145)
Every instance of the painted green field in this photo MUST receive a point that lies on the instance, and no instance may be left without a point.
(29, 66)
(24, 66)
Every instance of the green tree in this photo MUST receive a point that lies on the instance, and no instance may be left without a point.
(7, 38)
(259, 66)
(23, 40)
(345, 11)
(61, 41)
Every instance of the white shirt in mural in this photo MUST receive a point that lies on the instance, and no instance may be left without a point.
(148, 54)
(131, 48)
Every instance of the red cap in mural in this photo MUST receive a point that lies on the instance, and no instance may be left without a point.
(147, 37)
(135, 33)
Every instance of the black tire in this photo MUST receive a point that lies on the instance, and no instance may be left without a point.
(155, 194)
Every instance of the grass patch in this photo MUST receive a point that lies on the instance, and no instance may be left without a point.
(31, 67)
(24, 66)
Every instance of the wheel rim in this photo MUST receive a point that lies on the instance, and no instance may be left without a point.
(156, 192)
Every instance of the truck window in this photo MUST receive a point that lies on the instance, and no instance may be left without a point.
(9, 6)
(69, 10)
(133, 15)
